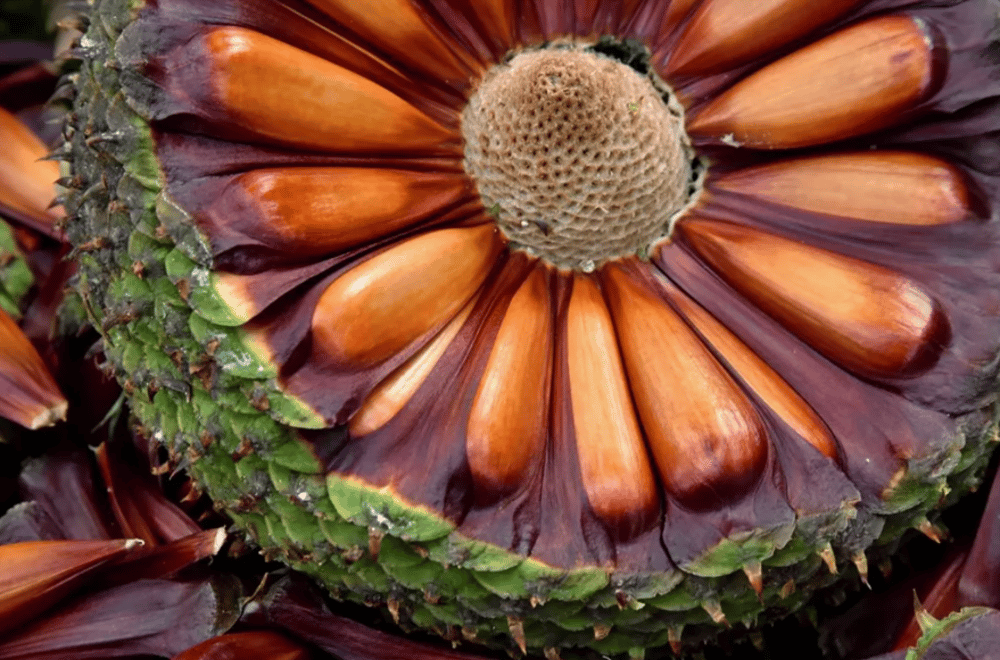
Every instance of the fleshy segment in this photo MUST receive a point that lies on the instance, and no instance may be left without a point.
(709, 444)
(40, 574)
(405, 33)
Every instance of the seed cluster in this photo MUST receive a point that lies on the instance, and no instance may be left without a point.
(576, 155)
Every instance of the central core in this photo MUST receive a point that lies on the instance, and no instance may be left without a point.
(577, 155)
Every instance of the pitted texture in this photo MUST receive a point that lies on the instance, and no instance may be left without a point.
(576, 155)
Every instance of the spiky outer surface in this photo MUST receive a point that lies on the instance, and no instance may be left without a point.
(197, 389)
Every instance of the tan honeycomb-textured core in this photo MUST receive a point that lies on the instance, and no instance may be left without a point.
(576, 155)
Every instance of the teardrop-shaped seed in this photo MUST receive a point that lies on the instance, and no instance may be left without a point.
(879, 186)
(726, 33)
(313, 211)
(508, 421)
(853, 82)
(755, 372)
(307, 101)
(617, 475)
(708, 441)
(393, 393)
(27, 183)
(380, 306)
(29, 395)
(399, 28)
(867, 318)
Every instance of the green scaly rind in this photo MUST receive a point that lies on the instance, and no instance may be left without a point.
(199, 388)
(15, 275)
(936, 629)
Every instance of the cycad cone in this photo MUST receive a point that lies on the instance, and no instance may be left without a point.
(197, 385)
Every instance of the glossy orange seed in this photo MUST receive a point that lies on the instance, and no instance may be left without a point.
(726, 33)
(398, 28)
(308, 101)
(878, 186)
(772, 389)
(316, 211)
(617, 475)
(850, 83)
(392, 394)
(703, 431)
(382, 305)
(865, 317)
(508, 421)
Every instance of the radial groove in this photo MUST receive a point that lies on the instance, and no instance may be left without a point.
(488, 26)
